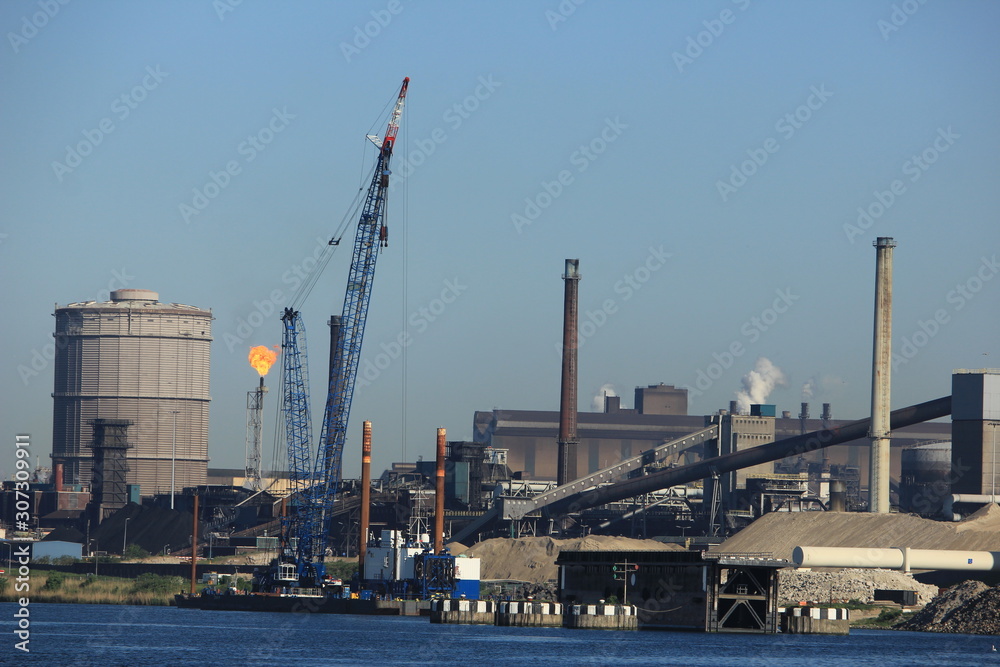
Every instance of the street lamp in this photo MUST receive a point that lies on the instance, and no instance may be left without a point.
(173, 458)
(125, 537)
(993, 491)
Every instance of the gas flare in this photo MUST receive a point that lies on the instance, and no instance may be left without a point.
(261, 358)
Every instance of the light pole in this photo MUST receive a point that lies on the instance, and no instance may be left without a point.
(173, 458)
(125, 537)
(993, 491)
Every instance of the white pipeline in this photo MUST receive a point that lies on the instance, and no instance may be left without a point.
(904, 558)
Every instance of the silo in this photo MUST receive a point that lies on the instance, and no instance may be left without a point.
(925, 478)
(138, 359)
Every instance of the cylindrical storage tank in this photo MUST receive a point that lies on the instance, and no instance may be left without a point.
(838, 496)
(138, 359)
(925, 478)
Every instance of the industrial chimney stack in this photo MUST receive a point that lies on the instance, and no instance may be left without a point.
(878, 477)
(566, 466)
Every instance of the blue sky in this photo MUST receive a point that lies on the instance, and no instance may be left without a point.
(706, 162)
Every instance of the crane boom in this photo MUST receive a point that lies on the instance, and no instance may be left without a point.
(298, 433)
(371, 235)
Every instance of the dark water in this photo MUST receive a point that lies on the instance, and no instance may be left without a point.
(121, 635)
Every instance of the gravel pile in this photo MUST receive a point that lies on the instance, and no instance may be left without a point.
(851, 584)
(971, 608)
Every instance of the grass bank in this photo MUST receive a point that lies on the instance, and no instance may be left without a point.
(52, 586)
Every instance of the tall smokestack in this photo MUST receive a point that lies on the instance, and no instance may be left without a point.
(439, 495)
(366, 496)
(58, 473)
(878, 476)
(803, 416)
(827, 413)
(566, 470)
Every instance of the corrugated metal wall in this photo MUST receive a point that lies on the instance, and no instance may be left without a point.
(138, 360)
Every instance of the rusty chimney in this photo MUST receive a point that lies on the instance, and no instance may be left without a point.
(566, 464)
(439, 495)
(58, 473)
(878, 474)
(366, 496)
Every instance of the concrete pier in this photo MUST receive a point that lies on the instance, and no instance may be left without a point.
(530, 614)
(464, 612)
(602, 617)
(815, 621)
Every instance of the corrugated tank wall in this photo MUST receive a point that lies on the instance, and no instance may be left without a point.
(134, 358)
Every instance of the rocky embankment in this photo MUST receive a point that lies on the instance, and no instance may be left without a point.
(843, 585)
(970, 608)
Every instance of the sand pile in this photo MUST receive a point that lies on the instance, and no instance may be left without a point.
(534, 558)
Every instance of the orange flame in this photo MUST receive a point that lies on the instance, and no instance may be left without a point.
(261, 358)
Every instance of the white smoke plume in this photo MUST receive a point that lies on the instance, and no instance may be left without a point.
(809, 388)
(605, 390)
(758, 384)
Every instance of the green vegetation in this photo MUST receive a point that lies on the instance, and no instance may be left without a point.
(134, 552)
(54, 581)
(342, 569)
(240, 583)
(157, 584)
(887, 618)
(53, 586)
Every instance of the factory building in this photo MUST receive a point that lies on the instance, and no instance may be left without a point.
(975, 418)
(136, 359)
(529, 437)
(605, 438)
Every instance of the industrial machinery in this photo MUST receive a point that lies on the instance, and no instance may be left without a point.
(314, 482)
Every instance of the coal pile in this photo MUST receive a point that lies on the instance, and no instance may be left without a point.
(971, 608)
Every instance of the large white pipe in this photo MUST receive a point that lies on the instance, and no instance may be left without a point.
(947, 507)
(905, 558)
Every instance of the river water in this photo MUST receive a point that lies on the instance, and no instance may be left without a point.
(67, 634)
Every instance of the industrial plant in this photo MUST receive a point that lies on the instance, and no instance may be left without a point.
(130, 467)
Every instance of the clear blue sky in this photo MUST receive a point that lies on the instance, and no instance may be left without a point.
(642, 109)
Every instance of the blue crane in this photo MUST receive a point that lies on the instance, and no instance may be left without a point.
(371, 235)
(315, 482)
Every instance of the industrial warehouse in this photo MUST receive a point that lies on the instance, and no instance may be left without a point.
(724, 503)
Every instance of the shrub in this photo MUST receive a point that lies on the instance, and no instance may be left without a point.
(135, 552)
(54, 581)
(155, 583)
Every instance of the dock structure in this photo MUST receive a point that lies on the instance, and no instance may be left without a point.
(816, 621)
(602, 617)
(464, 612)
(689, 590)
(530, 614)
